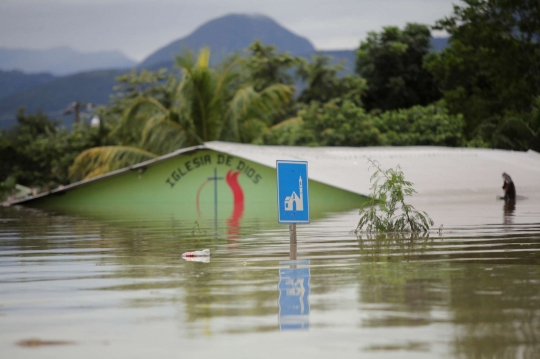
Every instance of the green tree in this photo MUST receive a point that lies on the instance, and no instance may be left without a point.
(37, 152)
(342, 123)
(323, 83)
(264, 66)
(132, 86)
(392, 64)
(430, 125)
(339, 123)
(206, 104)
(490, 72)
(27, 151)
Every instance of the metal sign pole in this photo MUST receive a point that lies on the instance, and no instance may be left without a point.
(292, 234)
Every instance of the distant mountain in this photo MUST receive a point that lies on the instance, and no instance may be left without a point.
(60, 60)
(17, 81)
(231, 33)
(439, 43)
(54, 96)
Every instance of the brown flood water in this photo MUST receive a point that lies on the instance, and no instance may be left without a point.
(76, 287)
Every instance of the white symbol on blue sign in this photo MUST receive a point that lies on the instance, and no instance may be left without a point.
(292, 188)
(294, 201)
(294, 295)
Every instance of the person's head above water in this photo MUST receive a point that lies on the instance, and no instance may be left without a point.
(506, 177)
(509, 187)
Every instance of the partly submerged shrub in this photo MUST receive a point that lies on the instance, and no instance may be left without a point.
(386, 210)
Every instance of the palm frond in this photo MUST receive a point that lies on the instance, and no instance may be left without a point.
(161, 136)
(132, 117)
(268, 101)
(226, 75)
(289, 122)
(99, 160)
(197, 96)
(203, 60)
(251, 130)
(284, 133)
(186, 61)
(239, 105)
(248, 103)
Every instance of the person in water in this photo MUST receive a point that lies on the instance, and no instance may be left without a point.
(509, 188)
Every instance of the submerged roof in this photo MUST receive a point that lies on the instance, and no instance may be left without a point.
(433, 170)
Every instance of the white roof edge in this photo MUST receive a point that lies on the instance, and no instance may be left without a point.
(81, 183)
(433, 170)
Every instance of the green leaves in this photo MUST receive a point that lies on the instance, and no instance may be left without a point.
(392, 64)
(323, 83)
(342, 123)
(264, 66)
(37, 153)
(386, 210)
(206, 104)
(490, 72)
(100, 160)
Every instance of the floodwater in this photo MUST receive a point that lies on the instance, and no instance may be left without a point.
(73, 287)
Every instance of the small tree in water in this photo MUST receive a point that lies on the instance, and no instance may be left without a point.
(386, 210)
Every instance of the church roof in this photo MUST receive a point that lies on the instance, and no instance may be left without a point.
(433, 170)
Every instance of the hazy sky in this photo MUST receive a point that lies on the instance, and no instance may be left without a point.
(139, 27)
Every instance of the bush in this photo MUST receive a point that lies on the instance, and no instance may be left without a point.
(430, 125)
(386, 210)
(339, 123)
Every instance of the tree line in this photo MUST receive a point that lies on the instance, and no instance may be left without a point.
(483, 90)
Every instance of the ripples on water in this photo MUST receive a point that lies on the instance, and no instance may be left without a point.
(120, 288)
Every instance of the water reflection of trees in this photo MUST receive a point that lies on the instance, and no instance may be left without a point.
(496, 310)
(391, 273)
(31, 229)
(492, 299)
(399, 246)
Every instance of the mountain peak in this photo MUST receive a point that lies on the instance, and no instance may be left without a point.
(232, 33)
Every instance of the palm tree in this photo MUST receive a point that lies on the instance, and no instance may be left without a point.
(206, 104)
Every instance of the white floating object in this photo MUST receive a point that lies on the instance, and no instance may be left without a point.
(203, 253)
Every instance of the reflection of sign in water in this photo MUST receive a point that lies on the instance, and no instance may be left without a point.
(292, 188)
(294, 295)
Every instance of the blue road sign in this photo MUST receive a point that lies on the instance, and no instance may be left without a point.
(294, 295)
(292, 191)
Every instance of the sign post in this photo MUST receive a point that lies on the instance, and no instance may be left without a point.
(292, 196)
(292, 237)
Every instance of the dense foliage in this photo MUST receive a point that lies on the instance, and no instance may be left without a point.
(38, 153)
(344, 124)
(490, 73)
(488, 78)
(392, 64)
